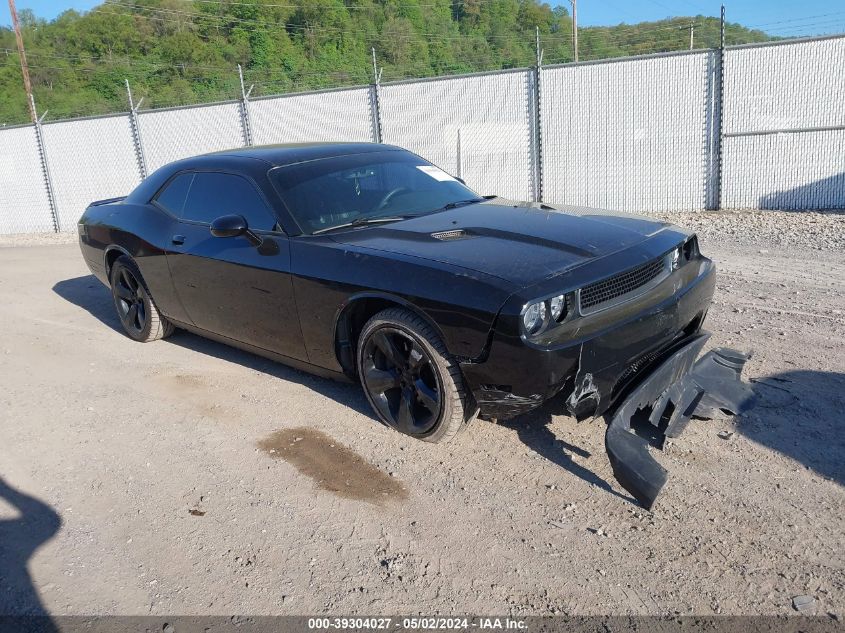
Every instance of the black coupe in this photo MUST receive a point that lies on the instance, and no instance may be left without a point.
(366, 262)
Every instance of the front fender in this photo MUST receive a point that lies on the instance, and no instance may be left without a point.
(329, 277)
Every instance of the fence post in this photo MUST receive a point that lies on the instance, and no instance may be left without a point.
(537, 130)
(246, 124)
(136, 132)
(720, 104)
(45, 167)
(375, 100)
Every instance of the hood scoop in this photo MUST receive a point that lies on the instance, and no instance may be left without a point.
(450, 236)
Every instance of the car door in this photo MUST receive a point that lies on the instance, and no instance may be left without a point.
(228, 285)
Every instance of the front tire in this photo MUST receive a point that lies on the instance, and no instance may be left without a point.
(410, 380)
(135, 307)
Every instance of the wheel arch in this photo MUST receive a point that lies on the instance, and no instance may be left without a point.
(354, 314)
(110, 256)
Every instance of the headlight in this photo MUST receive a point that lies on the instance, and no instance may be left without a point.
(557, 306)
(533, 317)
(675, 259)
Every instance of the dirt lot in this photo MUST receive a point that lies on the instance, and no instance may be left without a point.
(185, 477)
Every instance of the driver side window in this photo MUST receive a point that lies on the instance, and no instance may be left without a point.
(213, 194)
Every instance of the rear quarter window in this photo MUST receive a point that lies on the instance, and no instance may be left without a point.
(172, 197)
(213, 194)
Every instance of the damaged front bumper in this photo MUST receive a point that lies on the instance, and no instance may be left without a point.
(661, 405)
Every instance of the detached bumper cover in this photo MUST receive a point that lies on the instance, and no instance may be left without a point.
(678, 388)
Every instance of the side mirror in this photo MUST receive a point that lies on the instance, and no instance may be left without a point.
(461, 180)
(233, 226)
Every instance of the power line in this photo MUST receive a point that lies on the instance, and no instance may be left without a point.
(804, 27)
(414, 36)
(328, 29)
(169, 15)
(808, 17)
(296, 6)
(606, 35)
(152, 67)
(295, 27)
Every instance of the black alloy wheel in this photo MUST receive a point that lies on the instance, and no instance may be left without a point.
(401, 381)
(130, 299)
(135, 307)
(411, 382)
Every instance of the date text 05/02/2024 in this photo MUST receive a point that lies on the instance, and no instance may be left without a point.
(417, 623)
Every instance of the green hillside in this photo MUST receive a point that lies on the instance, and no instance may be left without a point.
(186, 51)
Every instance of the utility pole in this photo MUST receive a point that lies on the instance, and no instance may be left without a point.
(24, 67)
(691, 28)
(574, 4)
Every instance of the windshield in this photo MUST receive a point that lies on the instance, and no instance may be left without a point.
(350, 190)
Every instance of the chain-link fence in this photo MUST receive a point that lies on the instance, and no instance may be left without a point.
(90, 159)
(24, 205)
(631, 134)
(784, 125)
(759, 126)
(476, 127)
(175, 133)
(338, 115)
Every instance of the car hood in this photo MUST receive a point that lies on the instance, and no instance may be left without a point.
(520, 243)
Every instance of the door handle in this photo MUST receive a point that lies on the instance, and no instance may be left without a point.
(178, 239)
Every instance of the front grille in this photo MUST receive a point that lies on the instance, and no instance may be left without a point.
(636, 366)
(602, 292)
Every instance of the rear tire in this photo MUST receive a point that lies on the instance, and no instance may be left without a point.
(134, 304)
(410, 380)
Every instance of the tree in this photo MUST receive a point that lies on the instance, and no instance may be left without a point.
(178, 52)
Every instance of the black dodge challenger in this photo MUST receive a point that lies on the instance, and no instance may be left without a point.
(365, 262)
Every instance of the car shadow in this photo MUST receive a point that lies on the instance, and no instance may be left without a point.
(20, 538)
(799, 414)
(88, 293)
(350, 395)
(825, 192)
(533, 430)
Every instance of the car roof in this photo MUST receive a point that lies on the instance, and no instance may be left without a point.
(253, 161)
(289, 153)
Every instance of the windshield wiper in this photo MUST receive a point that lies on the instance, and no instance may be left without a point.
(358, 222)
(460, 203)
(381, 220)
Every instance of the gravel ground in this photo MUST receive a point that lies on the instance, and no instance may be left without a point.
(813, 230)
(36, 239)
(183, 477)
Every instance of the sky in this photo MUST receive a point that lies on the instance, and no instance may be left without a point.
(779, 17)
